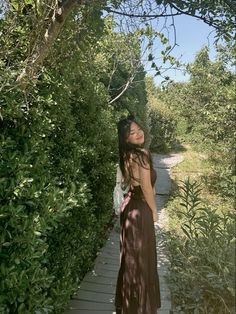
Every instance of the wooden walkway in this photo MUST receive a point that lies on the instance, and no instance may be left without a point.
(96, 293)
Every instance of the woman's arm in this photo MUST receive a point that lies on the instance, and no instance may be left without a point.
(155, 217)
(146, 186)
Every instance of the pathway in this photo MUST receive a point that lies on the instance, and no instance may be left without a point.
(96, 293)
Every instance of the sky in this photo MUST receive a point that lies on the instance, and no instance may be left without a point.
(192, 35)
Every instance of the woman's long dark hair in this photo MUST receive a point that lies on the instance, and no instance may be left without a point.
(127, 149)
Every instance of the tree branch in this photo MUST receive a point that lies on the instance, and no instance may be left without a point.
(41, 50)
(130, 80)
(179, 12)
(193, 15)
(141, 15)
(231, 5)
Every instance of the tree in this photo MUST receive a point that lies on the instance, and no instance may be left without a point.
(49, 17)
(218, 14)
(205, 106)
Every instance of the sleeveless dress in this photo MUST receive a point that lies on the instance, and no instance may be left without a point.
(137, 288)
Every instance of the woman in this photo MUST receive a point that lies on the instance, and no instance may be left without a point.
(137, 289)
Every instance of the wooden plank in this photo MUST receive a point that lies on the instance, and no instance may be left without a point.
(89, 305)
(105, 273)
(94, 296)
(165, 304)
(112, 246)
(109, 266)
(113, 253)
(107, 256)
(114, 240)
(76, 311)
(99, 279)
(114, 235)
(159, 312)
(97, 287)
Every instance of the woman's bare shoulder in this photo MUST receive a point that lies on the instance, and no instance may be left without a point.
(143, 158)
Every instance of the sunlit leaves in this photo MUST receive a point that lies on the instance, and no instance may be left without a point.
(204, 106)
(162, 123)
(202, 254)
(57, 153)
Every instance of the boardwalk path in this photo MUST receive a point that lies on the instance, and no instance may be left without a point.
(96, 293)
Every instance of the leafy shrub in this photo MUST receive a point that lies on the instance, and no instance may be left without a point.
(204, 108)
(202, 256)
(162, 129)
(58, 150)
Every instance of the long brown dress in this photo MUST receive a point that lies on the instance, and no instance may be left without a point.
(137, 288)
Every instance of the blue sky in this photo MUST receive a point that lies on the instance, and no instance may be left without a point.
(192, 35)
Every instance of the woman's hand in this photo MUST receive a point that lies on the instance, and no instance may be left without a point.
(155, 216)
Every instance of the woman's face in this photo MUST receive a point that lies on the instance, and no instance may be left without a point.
(136, 135)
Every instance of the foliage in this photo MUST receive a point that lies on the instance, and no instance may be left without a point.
(57, 156)
(206, 113)
(58, 145)
(162, 122)
(201, 253)
(218, 14)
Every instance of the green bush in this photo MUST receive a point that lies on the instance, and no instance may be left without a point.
(49, 213)
(162, 129)
(58, 152)
(202, 260)
(204, 108)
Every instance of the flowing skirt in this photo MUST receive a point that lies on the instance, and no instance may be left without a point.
(137, 289)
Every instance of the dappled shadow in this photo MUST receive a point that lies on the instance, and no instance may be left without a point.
(99, 287)
(137, 289)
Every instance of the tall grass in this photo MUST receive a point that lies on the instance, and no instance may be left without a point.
(201, 247)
